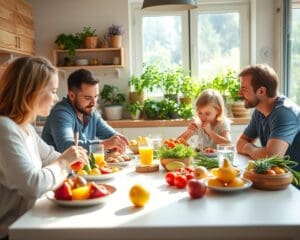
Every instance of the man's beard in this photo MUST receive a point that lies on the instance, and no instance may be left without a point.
(251, 104)
(86, 111)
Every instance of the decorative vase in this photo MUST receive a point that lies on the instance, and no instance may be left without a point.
(91, 42)
(135, 116)
(116, 41)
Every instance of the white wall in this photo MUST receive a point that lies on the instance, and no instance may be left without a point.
(70, 16)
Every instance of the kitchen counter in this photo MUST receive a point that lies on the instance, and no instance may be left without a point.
(170, 214)
(128, 123)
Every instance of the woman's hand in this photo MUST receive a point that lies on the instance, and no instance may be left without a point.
(74, 153)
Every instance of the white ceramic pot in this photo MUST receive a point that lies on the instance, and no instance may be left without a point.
(113, 112)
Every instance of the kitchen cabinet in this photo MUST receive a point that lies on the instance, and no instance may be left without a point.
(16, 27)
(106, 57)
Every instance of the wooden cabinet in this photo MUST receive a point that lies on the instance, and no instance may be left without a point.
(16, 27)
(106, 58)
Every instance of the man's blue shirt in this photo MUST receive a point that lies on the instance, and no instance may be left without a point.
(282, 123)
(63, 122)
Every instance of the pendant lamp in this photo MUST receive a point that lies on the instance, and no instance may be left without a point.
(169, 5)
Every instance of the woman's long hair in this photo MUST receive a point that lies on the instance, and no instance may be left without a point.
(21, 84)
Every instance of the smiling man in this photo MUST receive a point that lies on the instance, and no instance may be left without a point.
(276, 119)
(76, 113)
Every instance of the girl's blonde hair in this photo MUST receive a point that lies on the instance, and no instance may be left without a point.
(20, 86)
(214, 98)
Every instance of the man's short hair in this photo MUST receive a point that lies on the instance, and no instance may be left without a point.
(262, 75)
(77, 78)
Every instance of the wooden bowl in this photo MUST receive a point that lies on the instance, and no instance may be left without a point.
(134, 148)
(186, 161)
(269, 182)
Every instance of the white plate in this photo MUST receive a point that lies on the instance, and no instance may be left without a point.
(101, 177)
(122, 164)
(247, 185)
(81, 203)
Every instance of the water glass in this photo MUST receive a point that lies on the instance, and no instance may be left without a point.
(98, 151)
(146, 153)
(225, 151)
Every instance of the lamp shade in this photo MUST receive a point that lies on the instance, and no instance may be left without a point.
(169, 5)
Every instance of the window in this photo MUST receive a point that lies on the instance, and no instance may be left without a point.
(294, 53)
(205, 41)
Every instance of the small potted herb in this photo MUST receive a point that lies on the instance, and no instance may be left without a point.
(135, 110)
(113, 102)
(115, 32)
(171, 81)
(89, 37)
(189, 90)
(68, 42)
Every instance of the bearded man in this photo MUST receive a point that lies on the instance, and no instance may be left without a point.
(275, 120)
(77, 113)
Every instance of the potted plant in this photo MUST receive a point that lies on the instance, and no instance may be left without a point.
(89, 37)
(185, 111)
(68, 42)
(115, 32)
(113, 102)
(137, 86)
(135, 109)
(189, 90)
(171, 81)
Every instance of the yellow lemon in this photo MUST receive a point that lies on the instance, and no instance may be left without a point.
(95, 171)
(236, 182)
(138, 195)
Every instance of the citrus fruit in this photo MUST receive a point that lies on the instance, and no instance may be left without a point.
(236, 182)
(138, 195)
(81, 193)
(215, 182)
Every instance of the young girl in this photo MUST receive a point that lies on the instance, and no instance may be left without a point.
(211, 125)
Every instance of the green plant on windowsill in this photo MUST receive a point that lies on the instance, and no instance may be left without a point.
(171, 80)
(110, 95)
(185, 111)
(150, 78)
(135, 107)
(189, 88)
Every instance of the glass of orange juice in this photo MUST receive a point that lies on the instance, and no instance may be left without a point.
(98, 151)
(146, 153)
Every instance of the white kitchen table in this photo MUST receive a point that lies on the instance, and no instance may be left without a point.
(170, 214)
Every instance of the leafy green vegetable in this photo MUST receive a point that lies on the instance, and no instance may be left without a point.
(92, 161)
(202, 160)
(179, 151)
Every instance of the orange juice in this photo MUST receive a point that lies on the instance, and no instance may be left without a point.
(146, 155)
(99, 159)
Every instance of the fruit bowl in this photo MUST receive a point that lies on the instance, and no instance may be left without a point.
(134, 148)
(269, 182)
(184, 161)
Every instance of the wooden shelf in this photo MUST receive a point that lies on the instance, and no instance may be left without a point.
(105, 57)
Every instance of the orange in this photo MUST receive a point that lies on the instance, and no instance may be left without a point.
(138, 195)
(278, 170)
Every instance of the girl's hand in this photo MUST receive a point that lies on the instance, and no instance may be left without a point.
(207, 128)
(74, 153)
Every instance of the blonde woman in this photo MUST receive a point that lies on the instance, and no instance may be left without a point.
(28, 166)
(210, 124)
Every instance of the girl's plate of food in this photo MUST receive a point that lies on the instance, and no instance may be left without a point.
(210, 152)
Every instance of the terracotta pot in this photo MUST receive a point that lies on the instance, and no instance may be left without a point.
(185, 100)
(238, 110)
(135, 97)
(91, 42)
(116, 41)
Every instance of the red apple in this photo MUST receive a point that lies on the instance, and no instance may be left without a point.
(196, 188)
(97, 191)
(63, 192)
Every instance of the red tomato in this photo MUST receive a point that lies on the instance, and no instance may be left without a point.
(189, 169)
(189, 176)
(170, 178)
(180, 181)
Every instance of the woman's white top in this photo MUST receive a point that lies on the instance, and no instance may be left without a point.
(24, 174)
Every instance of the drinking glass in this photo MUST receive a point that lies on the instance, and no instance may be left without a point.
(225, 151)
(146, 153)
(98, 151)
(156, 143)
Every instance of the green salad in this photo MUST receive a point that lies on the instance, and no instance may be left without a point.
(178, 151)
